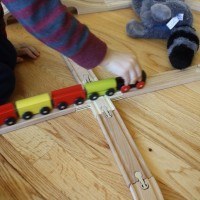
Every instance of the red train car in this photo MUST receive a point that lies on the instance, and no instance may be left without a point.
(8, 114)
(62, 98)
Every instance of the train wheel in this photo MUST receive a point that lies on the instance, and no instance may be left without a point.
(94, 96)
(110, 92)
(10, 121)
(79, 101)
(125, 88)
(140, 85)
(62, 106)
(27, 115)
(45, 111)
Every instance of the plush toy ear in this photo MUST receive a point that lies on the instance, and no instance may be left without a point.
(182, 45)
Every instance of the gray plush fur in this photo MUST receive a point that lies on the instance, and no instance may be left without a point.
(154, 15)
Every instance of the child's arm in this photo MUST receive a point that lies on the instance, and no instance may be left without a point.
(50, 22)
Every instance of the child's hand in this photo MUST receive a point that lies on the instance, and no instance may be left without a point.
(122, 64)
(26, 50)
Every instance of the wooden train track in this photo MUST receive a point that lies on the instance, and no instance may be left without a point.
(154, 83)
(92, 6)
(137, 176)
(135, 172)
(164, 80)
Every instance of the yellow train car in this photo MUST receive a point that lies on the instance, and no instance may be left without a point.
(28, 107)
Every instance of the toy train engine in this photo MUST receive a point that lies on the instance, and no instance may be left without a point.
(62, 98)
(125, 88)
(110, 86)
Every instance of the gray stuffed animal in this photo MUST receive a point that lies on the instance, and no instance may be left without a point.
(167, 19)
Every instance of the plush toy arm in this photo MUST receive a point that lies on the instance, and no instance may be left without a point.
(137, 4)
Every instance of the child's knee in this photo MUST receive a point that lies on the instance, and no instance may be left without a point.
(7, 82)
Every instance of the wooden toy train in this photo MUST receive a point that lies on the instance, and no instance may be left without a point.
(62, 98)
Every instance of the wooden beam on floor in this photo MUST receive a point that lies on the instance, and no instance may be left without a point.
(84, 6)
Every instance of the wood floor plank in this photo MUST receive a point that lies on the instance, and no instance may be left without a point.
(180, 176)
(167, 124)
(13, 185)
(44, 74)
(28, 172)
(80, 141)
(68, 157)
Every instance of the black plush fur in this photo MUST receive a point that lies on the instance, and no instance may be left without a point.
(183, 44)
(181, 57)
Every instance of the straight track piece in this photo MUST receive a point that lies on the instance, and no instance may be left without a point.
(93, 6)
(80, 74)
(36, 119)
(164, 80)
(136, 174)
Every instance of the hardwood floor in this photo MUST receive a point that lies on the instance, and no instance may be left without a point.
(68, 157)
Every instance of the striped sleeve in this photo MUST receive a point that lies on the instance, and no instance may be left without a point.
(49, 21)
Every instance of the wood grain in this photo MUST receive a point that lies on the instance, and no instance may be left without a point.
(170, 132)
(128, 158)
(71, 153)
(165, 126)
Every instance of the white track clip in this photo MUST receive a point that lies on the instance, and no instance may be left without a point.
(107, 113)
(144, 185)
(103, 105)
(81, 75)
(86, 78)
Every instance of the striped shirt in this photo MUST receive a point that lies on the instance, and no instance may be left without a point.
(50, 22)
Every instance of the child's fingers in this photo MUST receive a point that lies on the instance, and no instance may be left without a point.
(126, 78)
(34, 51)
(28, 52)
(133, 77)
(138, 72)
